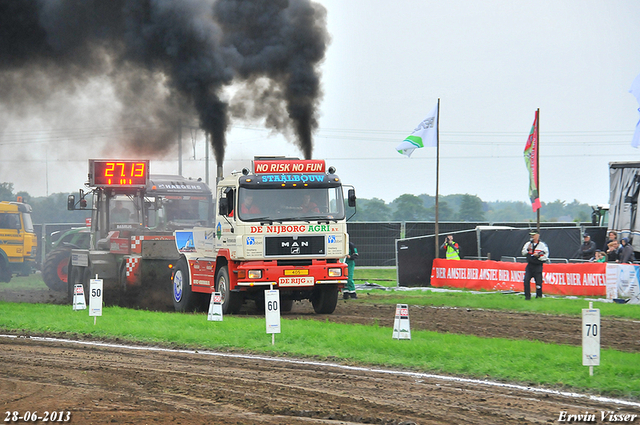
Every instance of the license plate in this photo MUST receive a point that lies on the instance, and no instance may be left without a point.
(296, 281)
(296, 272)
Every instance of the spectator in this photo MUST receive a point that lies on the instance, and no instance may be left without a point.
(613, 251)
(626, 253)
(600, 257)
(587, 249)
(537, 254)
(452, 249)
(613, 236)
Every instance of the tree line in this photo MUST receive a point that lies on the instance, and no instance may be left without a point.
(407, 207)
(465, 207)
(46, 209)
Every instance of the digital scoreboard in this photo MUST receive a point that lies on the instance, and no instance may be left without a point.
(118, 173)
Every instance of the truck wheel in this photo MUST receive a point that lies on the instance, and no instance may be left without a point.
(183, 298)
(5, 271)
(55, 271)
(325, 299)
(287, 305)
(231, 301)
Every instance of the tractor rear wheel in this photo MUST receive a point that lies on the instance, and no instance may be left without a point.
(55, 271)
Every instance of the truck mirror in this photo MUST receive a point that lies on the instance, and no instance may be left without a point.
(352, 197)
(71, 203)
(223, 206)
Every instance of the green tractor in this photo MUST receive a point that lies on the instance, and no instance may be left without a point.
(58, 245)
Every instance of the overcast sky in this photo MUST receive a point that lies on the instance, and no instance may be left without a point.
(492, 64)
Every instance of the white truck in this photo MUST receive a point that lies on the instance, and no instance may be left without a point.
(281, 224)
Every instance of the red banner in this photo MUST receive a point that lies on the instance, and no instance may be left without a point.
(558, 279)
(531, 159)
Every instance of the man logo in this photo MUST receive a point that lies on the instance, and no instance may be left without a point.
(295, 250)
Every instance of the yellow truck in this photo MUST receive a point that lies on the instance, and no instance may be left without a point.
(18, 242)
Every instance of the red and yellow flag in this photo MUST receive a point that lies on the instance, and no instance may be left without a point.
(531, 159)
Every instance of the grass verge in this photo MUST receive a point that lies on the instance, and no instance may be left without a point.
(527, 362)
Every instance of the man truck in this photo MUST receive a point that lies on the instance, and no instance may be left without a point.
(280, 225)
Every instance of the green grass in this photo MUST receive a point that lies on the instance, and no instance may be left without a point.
(381, 276)
(527, 362)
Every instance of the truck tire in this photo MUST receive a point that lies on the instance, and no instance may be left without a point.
(287, 305)
(5, 271)
(183, 298)
(231, 301)
(325, 299)
(55, 271)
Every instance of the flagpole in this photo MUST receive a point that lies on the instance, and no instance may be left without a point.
(437, 229)
(538, 166)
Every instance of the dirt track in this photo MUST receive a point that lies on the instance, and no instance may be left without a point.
(119, 385)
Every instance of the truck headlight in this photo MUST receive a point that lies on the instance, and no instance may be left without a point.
(335, 272)
(255, 274)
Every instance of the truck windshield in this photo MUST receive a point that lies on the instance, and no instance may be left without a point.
(290, 204)
(123, 211)
(10, 221)
(28, 224)
(184, 211)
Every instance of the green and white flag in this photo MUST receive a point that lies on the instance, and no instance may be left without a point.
(425, 134)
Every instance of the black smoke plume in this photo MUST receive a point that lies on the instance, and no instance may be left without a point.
(167, 59)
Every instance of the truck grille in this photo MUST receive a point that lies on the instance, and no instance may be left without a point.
(294, 246)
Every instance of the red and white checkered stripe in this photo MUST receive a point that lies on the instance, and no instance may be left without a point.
(136, 244)
(131, 265)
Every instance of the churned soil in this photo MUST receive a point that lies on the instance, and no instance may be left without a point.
(117, 383)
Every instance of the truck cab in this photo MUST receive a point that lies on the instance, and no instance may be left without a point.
(18, 242)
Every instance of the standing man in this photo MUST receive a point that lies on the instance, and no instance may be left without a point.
(587, 250)
(537, 253)
(350, 290)
(452, 249)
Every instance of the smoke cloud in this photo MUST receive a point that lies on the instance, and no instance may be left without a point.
(168, 60)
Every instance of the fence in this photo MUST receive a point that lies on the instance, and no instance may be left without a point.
(376, 241)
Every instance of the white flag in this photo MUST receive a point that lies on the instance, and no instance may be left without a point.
(425, 134)
(635, 90)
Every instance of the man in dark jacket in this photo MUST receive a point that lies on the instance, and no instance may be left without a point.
(587, 250)
(626, 253)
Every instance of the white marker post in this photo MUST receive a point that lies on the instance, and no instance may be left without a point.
(272, 312)
(78, 297)
(590, 337)
(95, 298)
(215, 307)
(401, 326)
